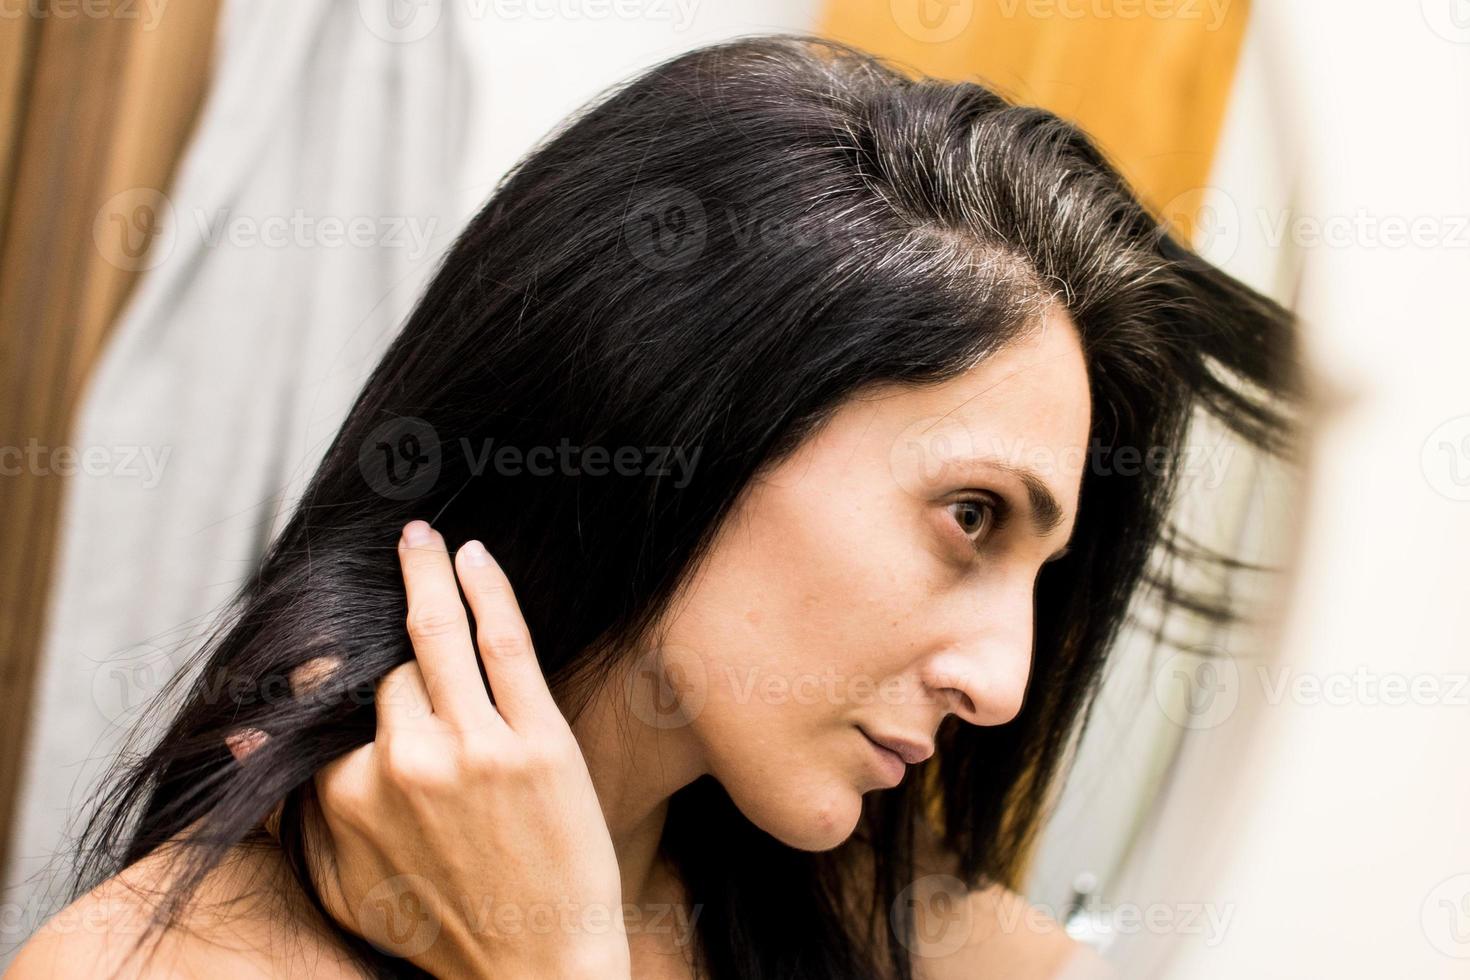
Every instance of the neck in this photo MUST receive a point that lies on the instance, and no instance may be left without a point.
(635, 768)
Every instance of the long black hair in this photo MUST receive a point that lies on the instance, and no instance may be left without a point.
(714, 256)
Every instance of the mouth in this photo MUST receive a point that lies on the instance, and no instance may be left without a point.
(909, 750)
(892, 757)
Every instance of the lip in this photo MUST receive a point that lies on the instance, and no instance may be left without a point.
(909, 750)
(892, 763)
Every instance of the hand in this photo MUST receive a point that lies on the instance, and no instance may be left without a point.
(467, 837)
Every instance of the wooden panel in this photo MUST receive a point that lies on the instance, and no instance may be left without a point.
(95, 118)
(1148, 79)
(17, 39)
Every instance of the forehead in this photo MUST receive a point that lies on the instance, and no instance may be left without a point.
(1035, 389)
(1027, 405)
(1024, 408)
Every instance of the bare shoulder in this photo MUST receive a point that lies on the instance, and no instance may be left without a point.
(993, 932)
(960, 933)
(241, 923)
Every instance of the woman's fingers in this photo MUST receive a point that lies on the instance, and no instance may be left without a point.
(516, 681)
(440, 631)
(402, 700)
(346, 791)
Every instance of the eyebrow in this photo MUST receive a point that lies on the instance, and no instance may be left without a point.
(1045, 513)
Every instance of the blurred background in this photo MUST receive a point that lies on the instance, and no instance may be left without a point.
(215, 213)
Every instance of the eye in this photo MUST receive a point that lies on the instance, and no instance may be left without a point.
(977, 517)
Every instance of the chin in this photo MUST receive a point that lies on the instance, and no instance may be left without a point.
(806, 818)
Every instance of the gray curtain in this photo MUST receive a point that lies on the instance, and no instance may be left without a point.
(318, 191)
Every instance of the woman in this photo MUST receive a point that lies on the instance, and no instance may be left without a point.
(823, 422)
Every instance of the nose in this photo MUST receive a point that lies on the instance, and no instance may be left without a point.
(982, 678)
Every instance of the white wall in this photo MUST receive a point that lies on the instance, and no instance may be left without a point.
(1327, 821)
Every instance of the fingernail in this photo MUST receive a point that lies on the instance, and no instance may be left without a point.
(305, 677)
(475, 553)
(243, 742)
(417, 532)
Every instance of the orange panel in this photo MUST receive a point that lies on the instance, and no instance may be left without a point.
(1148, 79)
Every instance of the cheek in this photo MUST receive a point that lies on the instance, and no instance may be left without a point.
(815, 615)
(793, 628)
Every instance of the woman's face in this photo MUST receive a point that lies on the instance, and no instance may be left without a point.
(878, 580)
